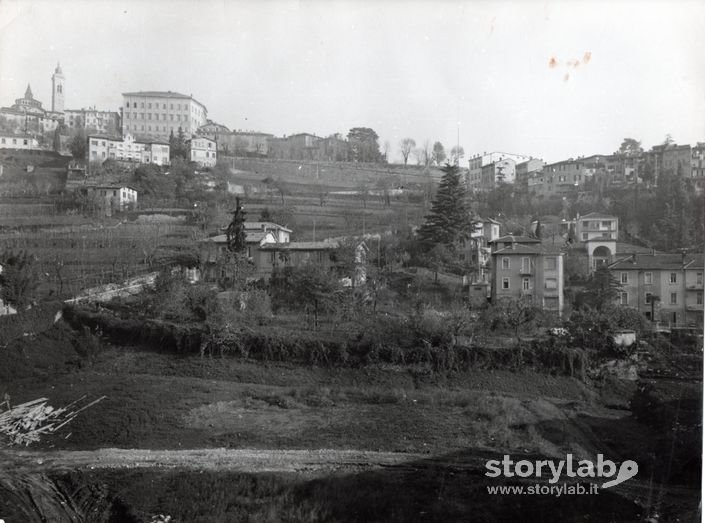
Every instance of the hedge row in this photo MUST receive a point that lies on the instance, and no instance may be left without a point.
(271, 344)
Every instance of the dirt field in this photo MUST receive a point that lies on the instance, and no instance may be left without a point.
(231, 440)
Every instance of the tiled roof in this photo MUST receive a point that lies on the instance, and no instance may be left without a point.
(668, 261)
(525, 249)
(598, 215)
(269, 225)
(250, 237)
(301, 246)
(164, 94)
(515, 239)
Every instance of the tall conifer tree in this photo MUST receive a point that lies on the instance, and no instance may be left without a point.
(449, 221)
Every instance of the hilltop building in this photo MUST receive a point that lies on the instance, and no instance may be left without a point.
(93, 120)
(244, 143)
(157, 114)
(27, 116)
(57, 90)
(487, 169)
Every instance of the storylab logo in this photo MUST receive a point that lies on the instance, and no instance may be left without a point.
(553, 470)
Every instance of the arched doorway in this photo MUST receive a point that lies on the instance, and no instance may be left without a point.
(601, 256)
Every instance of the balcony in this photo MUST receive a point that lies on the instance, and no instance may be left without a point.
(694, 286)
(526, 271)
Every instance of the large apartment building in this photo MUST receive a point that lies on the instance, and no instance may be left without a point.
(523, 269)
(663, 287)
(159, 113)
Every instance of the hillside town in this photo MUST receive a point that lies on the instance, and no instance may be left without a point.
(100, 151)
(350, 265)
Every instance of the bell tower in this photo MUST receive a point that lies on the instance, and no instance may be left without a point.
(57, 90)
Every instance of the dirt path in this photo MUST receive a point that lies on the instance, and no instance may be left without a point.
(236, 460)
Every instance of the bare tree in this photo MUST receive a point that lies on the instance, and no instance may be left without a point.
(405, 147)
(426, 153)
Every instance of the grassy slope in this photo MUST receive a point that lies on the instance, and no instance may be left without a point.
(164, 401)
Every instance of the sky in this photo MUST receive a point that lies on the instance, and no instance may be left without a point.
(549, 79)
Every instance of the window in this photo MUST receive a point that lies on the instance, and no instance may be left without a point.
(623, 298)
(141, 116)
(625, 277)
(94, 142)
(2, 141)
(674, 317)
(163, 106)
(551, 283)
(149, 106)
(585, 236)
(648, 297)
(505, 264)
(674, 278)
(24, 142)
(171, 106)
(648, 278)
(142, 105)
(699, 298)
(699, 278)
(674, 298)
(550, 303)
(505, 283)
(549, 263)
(525, 264)
(607, 224)
(526, 284)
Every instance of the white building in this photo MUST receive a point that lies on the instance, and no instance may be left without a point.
(160, 113)
(13, 141)
(203, 151)
(598, 232)
(101, 148)
(493, 165)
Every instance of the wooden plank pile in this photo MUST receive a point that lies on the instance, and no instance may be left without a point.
(26, 423)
